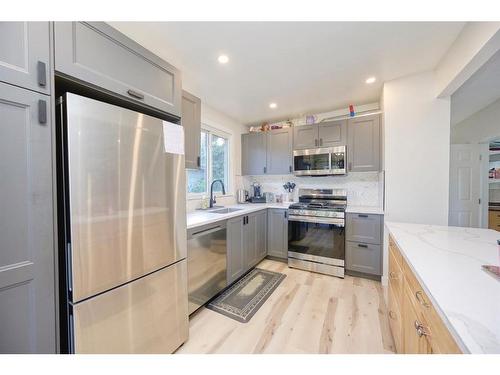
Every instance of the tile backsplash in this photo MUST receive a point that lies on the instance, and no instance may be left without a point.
(363, 188)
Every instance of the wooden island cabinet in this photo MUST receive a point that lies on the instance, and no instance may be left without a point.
(415, 324)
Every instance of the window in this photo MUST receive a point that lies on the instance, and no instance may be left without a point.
(214, 155)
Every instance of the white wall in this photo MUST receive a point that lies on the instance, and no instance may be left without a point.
(475, 44)
(416, 153)
(218, 120)
(482, 126)
(417, 144)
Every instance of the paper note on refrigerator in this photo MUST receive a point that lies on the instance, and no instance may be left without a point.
(173, 138)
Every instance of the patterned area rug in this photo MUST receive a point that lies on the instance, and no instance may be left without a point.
(243, 299)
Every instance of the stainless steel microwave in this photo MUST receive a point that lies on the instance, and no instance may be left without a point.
(320, 161)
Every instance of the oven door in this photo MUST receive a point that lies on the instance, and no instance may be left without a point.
(319, 240)
(311, 162)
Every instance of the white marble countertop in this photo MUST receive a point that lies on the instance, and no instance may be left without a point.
(447, 262)
(364, 210)
(201, 217)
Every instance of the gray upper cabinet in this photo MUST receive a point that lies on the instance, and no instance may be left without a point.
(267, 152)
(365, 228)
(277, 233)
(305, 137)
(324, 134)
(191, 121)
(363, 147)
(98, 54)
(25, 55)
(279, 151)
(253, 149)
(27, 297)
(332, 133)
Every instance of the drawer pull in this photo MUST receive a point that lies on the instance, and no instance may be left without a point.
(135, 94)
(420, 299)
(362, 215)
(362, 245)
(392, 315)
(421, 330)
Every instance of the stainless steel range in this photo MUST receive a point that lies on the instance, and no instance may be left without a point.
(316, 231)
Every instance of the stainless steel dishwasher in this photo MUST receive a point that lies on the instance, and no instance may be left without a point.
(206, 263)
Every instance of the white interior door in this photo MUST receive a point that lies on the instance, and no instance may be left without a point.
(464, 185)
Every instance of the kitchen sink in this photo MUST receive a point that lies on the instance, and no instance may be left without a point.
(225, 210)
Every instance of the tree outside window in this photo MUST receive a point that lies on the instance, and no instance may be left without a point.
(214, 161)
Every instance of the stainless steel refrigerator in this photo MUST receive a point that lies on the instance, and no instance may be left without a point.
(123, 231)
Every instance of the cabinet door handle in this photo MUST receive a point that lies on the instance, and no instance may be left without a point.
(393, 275)
(321, 141)
(350, 166)
(198, 161)
(41, 73)
(42, 111)
(392, 315)
(135, 94)
(265, 169)
(286, 214)
(420, 298)
(421, 330)
(362, 245)
(290, 169)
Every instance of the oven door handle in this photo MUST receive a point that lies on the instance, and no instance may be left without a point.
(319, 220)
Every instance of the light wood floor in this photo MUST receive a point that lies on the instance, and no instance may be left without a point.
(307, 313)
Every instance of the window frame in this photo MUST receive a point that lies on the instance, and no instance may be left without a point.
(219, 133)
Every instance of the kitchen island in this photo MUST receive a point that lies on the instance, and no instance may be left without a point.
(446, 262)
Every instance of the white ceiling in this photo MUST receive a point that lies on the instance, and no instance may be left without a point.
(479, 91)
(304, 67)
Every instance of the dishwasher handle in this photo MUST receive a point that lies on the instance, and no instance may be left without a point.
(206, 231)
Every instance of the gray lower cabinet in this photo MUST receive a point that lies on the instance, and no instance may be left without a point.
(363, 146)
(27, 296)
(279, 151)
(365, 228)
(25, 55)
(235, 249)
(253, 158)
(364, 243)
(191, 121)
(364, 258)
(246, 243)
(96, 53)
(277, 233)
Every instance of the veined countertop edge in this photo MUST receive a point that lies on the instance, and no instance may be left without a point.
(449, 325)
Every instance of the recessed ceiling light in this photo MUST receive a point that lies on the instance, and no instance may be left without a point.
(223, 59)
(273, 105)
(370, 80)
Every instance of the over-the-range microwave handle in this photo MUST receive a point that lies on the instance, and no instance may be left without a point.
(317, 220)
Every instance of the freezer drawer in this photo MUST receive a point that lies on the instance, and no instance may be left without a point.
(148, 315)
(124, 196)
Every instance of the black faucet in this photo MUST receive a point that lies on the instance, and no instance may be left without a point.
(212, 199)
